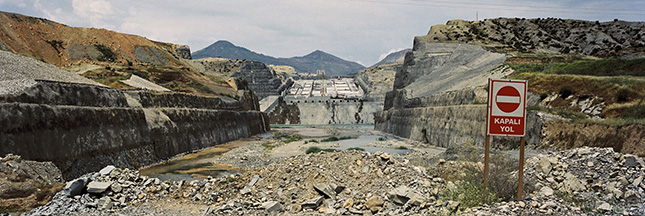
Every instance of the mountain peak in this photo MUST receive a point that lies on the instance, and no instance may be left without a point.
(309, 63)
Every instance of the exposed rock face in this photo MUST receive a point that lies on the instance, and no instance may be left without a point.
(81, 127)
(626, 139)
(550, 35)
(433, 68)
(183, 51)
(377, 81)
(260, 79)
(218, 66)
(26, 184)
(393, 58)
(434, 93)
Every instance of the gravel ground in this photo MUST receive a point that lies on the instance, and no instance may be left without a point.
(19, 72)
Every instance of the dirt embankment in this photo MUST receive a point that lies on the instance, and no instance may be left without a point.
(626, 139)
(63, 45)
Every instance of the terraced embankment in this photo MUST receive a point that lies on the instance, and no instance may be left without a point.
(82, 126)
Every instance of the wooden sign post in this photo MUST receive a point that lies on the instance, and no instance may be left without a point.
(506, 116)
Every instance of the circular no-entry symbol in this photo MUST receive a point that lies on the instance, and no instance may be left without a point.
(508, 99)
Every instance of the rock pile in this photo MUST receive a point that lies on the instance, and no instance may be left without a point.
(580, 181)
(575, 182)
(338, 183)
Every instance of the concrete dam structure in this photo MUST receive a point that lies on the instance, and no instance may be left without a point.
(332, 101)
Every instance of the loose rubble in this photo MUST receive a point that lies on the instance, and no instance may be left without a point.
(576, 182)
(579, 182)
(25, 184)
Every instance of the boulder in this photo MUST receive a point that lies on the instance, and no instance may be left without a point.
(329, 190)
(312, 203)
(75, 187)
(106, 170)
(98, 187)
(374, 203)
(272, 206)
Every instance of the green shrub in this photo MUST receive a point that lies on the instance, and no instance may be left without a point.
(402, 148)
(622, 95)
(468, 178)
(106, 53)
(334, 138)
(543, 96)
(381, 139)
(566, 91)
(315, 149)
(356, 149)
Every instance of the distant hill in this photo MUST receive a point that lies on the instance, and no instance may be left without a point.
(392, 58)
(63, 45)
(312, 62)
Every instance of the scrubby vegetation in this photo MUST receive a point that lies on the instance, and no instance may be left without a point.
(468, 177)
(617, 83)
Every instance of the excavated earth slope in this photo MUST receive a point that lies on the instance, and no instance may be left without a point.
(48, 114)
(63, 45)
(549, 35)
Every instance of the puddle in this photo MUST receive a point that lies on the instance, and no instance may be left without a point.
(198, 165)
(364, 142)
(202, 164)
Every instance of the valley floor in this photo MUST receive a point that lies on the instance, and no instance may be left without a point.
(272, 174)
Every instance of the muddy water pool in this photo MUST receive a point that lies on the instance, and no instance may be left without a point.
(204, 163)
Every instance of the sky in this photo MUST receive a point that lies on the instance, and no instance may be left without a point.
(363, 31)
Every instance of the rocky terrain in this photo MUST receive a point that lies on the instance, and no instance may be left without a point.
(263, 80)
(27, 184)
(377, 81)
(544, 35)
(393, 58)
(577, 182)
(49, 114)
(310, 63)
(575, 97)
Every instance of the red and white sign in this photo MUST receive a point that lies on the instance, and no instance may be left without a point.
(507, 107)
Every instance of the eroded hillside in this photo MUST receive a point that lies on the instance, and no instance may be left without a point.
(549, 35)
(106, 56)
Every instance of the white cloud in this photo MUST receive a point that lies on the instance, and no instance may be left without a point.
(97, 12)
(89, 8)
(358, 30)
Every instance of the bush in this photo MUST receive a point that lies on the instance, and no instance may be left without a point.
(106, 53)
(315, 149)
(543, 96)
(622, 95)
(468, 178)
(333, 139)
(566, 91)
(356, 149)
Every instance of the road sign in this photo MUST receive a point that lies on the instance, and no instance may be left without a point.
(507, 107)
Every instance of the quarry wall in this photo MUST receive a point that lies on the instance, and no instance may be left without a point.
(439, 95)
(82, 128)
